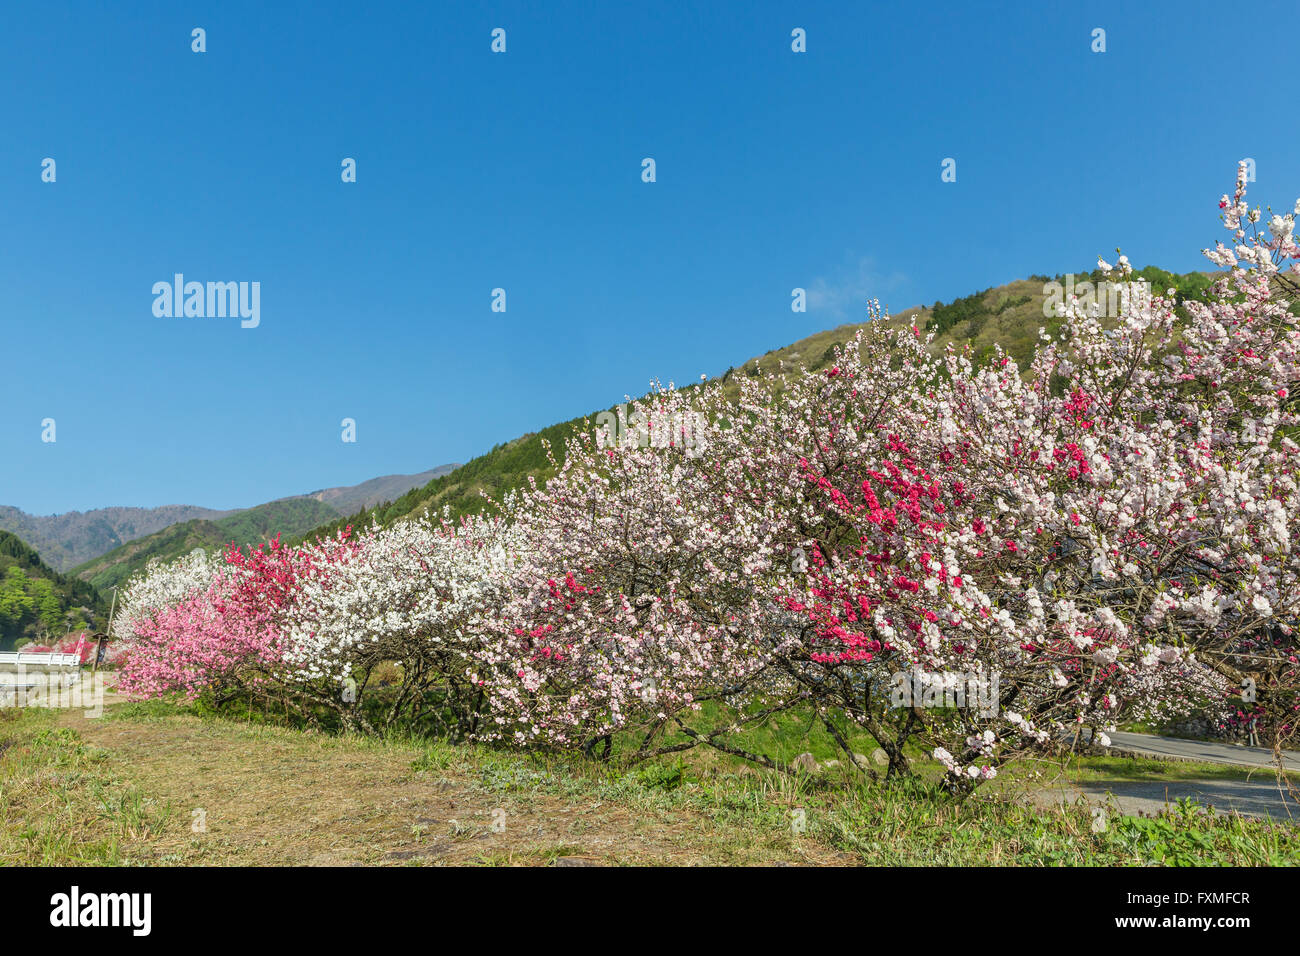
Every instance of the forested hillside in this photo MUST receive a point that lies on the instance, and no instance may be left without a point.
(36, 602)
(289, 517)
(65, 540)
(1009, 315)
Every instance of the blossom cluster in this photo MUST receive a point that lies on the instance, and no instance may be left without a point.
(1102, 535)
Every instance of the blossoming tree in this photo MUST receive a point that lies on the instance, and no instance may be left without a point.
(923, 548)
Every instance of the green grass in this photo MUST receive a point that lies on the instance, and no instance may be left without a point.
(63, 801)
(786, 735)
(60, 804)
(912, 823)
(1093, 767)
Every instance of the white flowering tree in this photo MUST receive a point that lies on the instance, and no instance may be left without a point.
(971, 556)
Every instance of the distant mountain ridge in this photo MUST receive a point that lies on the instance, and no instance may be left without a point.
(352, 498)
(66, 541)
(288, 517)
(252, 526)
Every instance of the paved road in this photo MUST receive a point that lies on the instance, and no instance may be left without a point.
(1201, 750)
(1257, 797)
(1251, 798)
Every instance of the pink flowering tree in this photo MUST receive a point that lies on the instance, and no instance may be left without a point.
(923, 602)
(1233, 375)
(1142, 487)
(197, 644)
(637, 599)
(202, 625)
(972, 556)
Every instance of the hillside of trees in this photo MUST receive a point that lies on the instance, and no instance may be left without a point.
(74, 537)
(1009, 315)
(288, 517)
(38, 603)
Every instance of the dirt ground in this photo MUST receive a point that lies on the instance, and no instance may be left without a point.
(268, 796)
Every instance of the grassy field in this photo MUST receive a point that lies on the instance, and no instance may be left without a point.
(159, 784)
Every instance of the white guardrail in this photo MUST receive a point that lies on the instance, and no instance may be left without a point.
(51, 659)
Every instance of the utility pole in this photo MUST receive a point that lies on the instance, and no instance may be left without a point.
(99, 645)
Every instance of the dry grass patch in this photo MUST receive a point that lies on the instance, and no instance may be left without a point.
(220, 792)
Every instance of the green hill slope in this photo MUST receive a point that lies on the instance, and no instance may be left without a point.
(289, 517)
(1009, 315)
(65, 540)
(38, 603)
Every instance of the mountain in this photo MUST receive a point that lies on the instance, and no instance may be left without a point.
(289, 517)
(68, 539)
(1009, 315)
(377, 490)
(36, 602)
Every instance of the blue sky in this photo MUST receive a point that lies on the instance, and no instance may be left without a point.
(522, 171)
